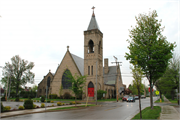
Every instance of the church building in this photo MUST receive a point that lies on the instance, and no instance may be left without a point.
(108, 77)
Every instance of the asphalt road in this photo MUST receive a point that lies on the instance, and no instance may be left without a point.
(114, 110)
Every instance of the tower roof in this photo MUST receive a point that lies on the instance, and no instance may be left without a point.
(93, 23)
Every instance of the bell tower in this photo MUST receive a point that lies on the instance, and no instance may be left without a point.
(93, 56)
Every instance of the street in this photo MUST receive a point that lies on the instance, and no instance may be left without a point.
(114, 110)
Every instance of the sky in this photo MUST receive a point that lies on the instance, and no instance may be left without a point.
(40, 30)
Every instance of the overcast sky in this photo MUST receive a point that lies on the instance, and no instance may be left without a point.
(40, 30)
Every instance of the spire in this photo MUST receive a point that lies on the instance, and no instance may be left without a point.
(93, 23)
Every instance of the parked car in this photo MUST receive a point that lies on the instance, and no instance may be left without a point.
(131, 99)
(125, 98)
(143, 96)
(136, 97)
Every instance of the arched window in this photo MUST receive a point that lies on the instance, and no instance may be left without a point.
(48, 81)
(90, 85)
(65, 80)
(91, 46)
(99, 47)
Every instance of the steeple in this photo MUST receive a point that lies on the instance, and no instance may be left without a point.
(93, 23)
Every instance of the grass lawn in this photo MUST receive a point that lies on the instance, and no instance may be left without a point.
(158, 101)
(149, 113)
(173, 101)
(71, 107)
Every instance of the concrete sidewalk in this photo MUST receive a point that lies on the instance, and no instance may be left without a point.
(169, 112)
(30, 111)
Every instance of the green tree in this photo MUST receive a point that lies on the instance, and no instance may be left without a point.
(78, 83)
(151, 48)
(34, 88)
(137, 82)
(20, 72)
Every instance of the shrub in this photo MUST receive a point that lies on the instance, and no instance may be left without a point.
(52, 101)
(28, 104)
(34, 106)
(58, 103)
(38, 106)
(42, 99)
(42, 105)
(52, 105)
(3, 98)
(67, 95)
(34, 100)
(78, 102)
(21, 108)
(21, 100)
(53, 96)
(100, 93)
(61, 97)
(17, 99)
(37, 100)
(62, 103)
(72, 102)
(7, 108)
(48, 101)
(2, 107)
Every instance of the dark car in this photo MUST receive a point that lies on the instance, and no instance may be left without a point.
(136, 97)
(130, 99)
(125, 98)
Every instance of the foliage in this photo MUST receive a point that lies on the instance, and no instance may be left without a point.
(78, 83)
(21, 108)
(53, 96)
(20, 71)
(52, 101)
(34, 106)
(72, 102)
(52, 105)
(150, 46)
(59, 103)
(37, 100)
(42, 99)
(7, 108)
(42, 105)
(17, 99)
(34, 88)
(28, 104)
(3, 98)
(67, 95)
(60, 91)
(34, 100)
(2, 107)
(48, 101)
(100, 93)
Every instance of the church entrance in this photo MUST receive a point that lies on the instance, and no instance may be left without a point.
(91, 89)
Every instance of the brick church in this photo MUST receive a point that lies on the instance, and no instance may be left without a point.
(108, 77)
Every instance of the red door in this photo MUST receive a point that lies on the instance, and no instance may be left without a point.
(91, 92)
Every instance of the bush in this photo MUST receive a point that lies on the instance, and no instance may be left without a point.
(78, 102)
(34, 100)
(3, 98)
(67, 95)
(72, 102)
(61, 97)
(100, 93)
(21, 108)
(37, 100)
(34, 106)
(42, 105)
(59, 104)
(52, 101)
(38, 106)
(53, 96)
(72, 98)
(13, 94)
(42, 99)
(28, 104)
(48, 101)
(62, 103)
(7, 108)
(52, 105)
(17, 99)
(2, 107)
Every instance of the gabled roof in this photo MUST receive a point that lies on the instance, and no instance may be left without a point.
(79, 62)
(111, 76)
(93, 23)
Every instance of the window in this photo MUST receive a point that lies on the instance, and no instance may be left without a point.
(91, 47)
(65, 80)
(88, 70)
(91, 70)
(99, 48)
(48, 81)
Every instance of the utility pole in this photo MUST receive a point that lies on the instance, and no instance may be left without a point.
(117, 65)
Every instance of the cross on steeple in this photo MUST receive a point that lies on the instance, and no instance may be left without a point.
(93, 11)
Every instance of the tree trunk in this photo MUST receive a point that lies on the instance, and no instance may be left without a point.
(151, 95)
(17, 88)
(139, 94)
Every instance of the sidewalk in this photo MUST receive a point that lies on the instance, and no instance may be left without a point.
(38, 110)
(169, 112)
